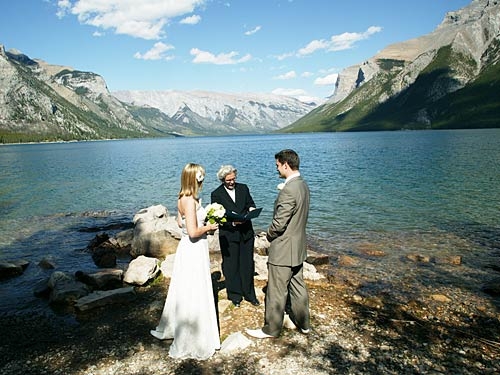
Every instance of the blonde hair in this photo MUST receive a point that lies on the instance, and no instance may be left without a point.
(191, 180)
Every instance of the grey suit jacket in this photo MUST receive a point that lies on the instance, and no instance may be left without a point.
(287, 232)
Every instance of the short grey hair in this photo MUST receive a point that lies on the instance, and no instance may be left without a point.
(224, 171)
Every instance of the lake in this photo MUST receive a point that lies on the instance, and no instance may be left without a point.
(428, 192)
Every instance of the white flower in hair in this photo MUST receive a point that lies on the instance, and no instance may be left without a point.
(281, 186)
(200, 176)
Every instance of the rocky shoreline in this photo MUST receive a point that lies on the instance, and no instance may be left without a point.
(434, 329)
(370, 314)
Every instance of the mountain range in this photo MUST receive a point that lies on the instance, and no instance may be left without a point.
(449, 78)
(44, 102)
(218, 113)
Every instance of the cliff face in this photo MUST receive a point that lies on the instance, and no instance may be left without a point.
(41, 100)
(469, 31)
(416, 83)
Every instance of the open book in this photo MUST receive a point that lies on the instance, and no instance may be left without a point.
(234, 216)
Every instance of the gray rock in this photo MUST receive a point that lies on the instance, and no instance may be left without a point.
(317, 258)
(46, 264)
(104, 256)
(58, 277)
(124, 238)
(65, 289)
(152, 233)
(8, 270)
(102, 280)
(102, 298)
(261, 243)
(141, 270)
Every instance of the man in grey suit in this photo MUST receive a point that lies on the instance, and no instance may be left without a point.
(287, 252)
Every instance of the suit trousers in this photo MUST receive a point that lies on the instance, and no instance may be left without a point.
(286, 283)
(238, 268)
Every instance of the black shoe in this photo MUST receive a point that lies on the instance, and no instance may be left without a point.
(236, 304)
(255, 302)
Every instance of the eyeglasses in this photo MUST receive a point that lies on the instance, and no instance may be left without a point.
(230, 180)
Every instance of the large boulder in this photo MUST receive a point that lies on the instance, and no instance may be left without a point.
(124, 239)
(153, 233)
(141, 270)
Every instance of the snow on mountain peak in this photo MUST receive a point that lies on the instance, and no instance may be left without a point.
(263, 111)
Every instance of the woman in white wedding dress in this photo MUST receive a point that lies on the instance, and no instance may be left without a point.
(189, 316)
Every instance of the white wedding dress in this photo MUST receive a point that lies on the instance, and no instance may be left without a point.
(189, 315)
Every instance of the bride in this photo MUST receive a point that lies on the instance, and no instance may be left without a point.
(189, 316)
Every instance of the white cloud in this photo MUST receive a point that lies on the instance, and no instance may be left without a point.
(142, 19)
(338, 42)
(307, 74)
(63, 7)
(250, 32)
(156, 53)
(313, 47)
(288, 75)
(330, 79)
(284, 56)
(220, 59)
(191, 20)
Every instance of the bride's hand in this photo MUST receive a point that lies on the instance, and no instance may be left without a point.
(214, 226)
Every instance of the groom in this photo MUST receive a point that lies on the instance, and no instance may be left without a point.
(287, 252)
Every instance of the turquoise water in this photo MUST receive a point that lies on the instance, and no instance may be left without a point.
(431, 191)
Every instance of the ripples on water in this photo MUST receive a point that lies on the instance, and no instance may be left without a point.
(429, 192)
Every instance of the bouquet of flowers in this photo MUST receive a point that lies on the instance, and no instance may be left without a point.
(216, 213)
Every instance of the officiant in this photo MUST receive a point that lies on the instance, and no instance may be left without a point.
(236, 238)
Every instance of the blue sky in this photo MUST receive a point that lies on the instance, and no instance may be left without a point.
(291, 47)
